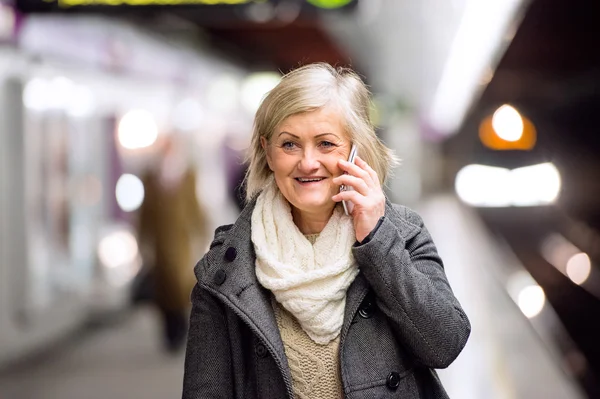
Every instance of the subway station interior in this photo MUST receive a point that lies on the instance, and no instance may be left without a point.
(490, 105)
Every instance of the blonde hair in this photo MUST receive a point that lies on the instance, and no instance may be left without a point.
(309, 88)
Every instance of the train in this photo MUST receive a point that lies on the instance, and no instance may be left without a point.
(83, 101)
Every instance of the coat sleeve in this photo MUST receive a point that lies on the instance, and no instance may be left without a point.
(411, 289)
(207, 373)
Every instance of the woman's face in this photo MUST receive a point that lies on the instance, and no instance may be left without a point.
(303, 154)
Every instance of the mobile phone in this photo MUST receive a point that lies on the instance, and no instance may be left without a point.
(348, 205)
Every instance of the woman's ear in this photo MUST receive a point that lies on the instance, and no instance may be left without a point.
(265, 146)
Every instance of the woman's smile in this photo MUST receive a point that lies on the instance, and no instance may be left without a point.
(309, 181)
(303, 154)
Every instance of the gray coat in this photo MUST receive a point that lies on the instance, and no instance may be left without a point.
(401, 319)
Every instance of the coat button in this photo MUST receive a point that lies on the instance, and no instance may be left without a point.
(393, 380)
(261, 351)
(367, 309)
(220, 277)
(230, 254)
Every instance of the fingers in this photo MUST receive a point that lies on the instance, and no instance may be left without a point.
(362, 164)
(360, 169)
(357, 183)
(355, 170)
(353, 196)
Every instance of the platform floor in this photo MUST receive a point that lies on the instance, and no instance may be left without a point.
(122, 360)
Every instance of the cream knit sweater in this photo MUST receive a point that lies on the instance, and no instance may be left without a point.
(315, 368)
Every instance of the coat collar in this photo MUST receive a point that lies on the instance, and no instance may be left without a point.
(229, 272)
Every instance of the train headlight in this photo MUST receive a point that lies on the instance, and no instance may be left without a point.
(487, 186)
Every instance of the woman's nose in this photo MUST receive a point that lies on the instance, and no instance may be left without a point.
(309, 162)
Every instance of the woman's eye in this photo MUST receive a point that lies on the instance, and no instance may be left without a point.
(288, 145)
(327, 144)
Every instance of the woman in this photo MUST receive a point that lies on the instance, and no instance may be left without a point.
(298, 300)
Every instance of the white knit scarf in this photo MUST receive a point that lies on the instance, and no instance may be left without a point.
(310, 281)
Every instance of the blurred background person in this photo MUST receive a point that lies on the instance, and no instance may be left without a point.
(172, 228)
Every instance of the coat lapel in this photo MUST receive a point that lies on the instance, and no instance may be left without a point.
(240, 289)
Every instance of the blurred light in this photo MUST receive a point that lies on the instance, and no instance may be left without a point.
(481, 185)
(288, 11)
(478, 39)
(579, 268)
(256, 86)
(188, 115)
(137, 129)
(118, 249)
(62, 92)
(223, 93)
(37, 95)
(129, 192)
(507, 123)
(566, 258)
(81, 102)
(531, 300)
(329, 4)
(535, 185)
(557, 251)
(526, 293)
(260, 12)
(503, 135)
(488, 186)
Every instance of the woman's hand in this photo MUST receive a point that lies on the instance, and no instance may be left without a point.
(367, 196)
